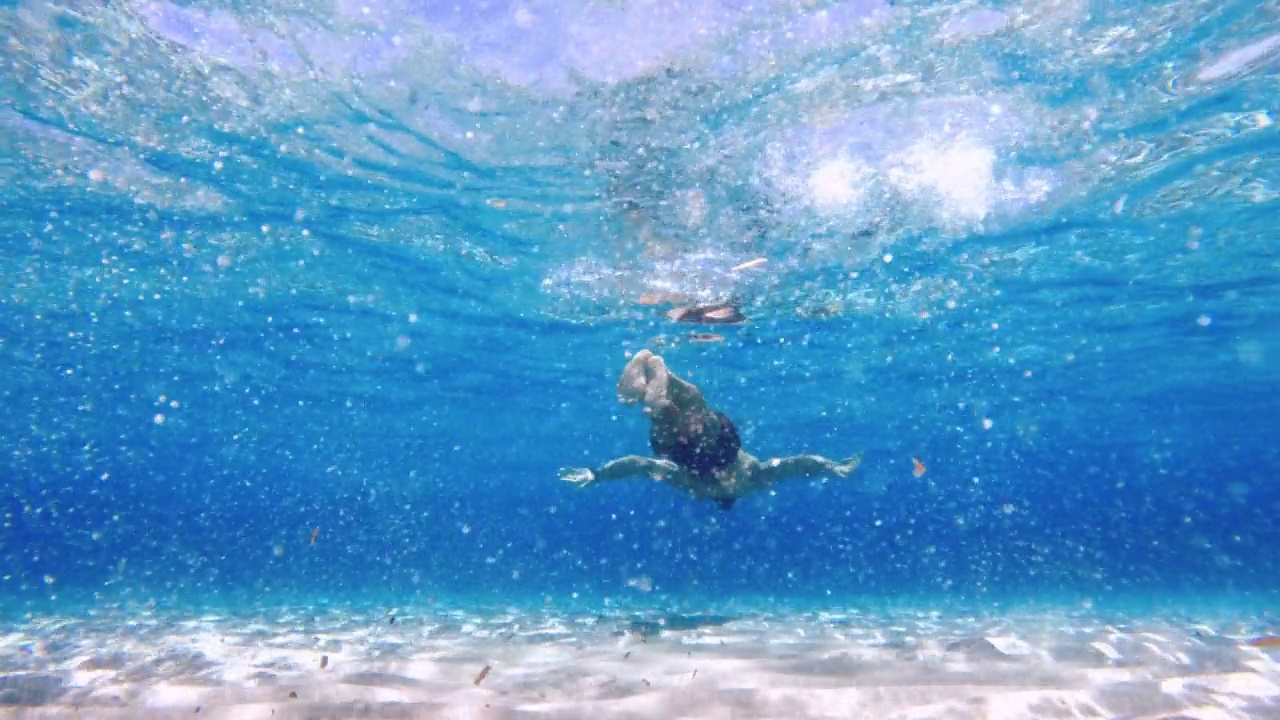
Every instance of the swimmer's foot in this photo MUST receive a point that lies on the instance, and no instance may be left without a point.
(635, 379)
(845, 468)
(657, 390)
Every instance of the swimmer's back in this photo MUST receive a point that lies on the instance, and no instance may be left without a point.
(700, 443)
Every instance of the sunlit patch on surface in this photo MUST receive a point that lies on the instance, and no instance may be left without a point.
(838, 184)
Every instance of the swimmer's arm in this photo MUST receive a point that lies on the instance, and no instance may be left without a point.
(632, 465)
(801, 467)
(620, 468)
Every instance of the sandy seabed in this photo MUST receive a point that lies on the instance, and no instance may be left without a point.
(431, 663)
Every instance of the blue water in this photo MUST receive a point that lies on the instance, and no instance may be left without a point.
(374, 269)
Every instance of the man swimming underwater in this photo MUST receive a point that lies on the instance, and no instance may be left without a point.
(697, 448)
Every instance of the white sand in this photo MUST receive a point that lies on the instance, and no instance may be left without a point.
(828, 665)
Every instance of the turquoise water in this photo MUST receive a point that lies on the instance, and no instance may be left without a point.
(374, 269)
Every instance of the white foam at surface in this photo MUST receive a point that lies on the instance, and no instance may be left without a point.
(974, 23)
(960, 174)
(839, 184)
(869, 174)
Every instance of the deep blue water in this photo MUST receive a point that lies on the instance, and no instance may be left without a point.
(269, 269)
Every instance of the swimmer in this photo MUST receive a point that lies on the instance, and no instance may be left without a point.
(697, 448)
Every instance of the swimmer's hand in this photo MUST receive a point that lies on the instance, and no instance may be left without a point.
(581, 477)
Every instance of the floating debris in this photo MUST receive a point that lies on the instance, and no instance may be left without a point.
(484, 673)
(391, 620)
(324, 661)
(717, 314)
(643, 583)
(293, 695)
(749, 264)
(314, 534)
(917, 467)
(1266, 641)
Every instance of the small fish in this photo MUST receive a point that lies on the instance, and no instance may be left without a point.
(749, 264)
(484, 673)
(706, 338)
(917, 467)
(314, 534)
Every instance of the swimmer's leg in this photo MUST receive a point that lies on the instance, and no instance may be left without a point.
(768, 472)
